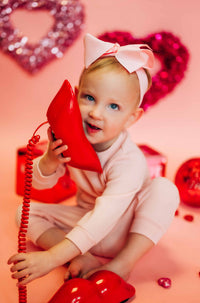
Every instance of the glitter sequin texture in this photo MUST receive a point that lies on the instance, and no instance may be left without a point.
(69, 18)
(170, 52)
(164, 282)
(187, 180)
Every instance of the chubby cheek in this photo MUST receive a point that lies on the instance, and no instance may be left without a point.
(112, 128)
(82, 112)
(84, 116)
(115, 123)
(83, 109)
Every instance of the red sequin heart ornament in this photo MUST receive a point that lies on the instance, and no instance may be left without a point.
(69, 18)
(187, 180)
(171, 53)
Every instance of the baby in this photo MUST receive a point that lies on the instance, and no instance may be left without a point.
(120, 213)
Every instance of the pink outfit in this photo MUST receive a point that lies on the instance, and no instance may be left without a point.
(122, 199)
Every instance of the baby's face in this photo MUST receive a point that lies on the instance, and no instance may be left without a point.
(107, 101)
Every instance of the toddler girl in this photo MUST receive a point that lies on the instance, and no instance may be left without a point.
(120, 213)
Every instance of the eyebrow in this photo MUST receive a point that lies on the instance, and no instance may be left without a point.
(87, 92)
(85, 88)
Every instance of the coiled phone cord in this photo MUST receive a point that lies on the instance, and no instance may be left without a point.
(22, 291)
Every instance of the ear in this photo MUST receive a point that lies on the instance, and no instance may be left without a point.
(135, 116)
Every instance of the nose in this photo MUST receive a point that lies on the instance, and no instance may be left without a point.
(96, 113)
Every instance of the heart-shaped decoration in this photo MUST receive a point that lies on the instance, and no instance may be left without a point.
(69, 18)
(171, 53)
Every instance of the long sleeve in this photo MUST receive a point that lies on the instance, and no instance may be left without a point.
(43, 182)
(124, 181)
(105, 196)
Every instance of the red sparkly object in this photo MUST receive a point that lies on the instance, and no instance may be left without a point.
(164, 282)
(189, 218)
(171, 53)
(69, 18)
(188, 182)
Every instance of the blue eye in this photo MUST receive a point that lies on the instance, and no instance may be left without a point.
(90, 98)
(114, 106)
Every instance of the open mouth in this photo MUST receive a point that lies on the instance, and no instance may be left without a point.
(92, 127)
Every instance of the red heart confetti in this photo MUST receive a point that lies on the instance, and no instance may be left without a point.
(189, 218)
(69, 18)
(164, 282)
(176, 212)
(171, 53)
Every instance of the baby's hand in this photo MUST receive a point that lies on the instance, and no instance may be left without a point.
(54, 155)
(29, 266)
(56, 149)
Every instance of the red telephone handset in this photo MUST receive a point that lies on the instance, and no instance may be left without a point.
(66, 123)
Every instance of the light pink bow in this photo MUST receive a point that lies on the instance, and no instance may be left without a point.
(132, 57)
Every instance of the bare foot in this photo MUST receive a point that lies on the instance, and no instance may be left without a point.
(81, 265)
(118, 268)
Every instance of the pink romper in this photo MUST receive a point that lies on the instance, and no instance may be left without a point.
(110, 205)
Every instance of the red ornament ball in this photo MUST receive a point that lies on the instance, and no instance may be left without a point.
(188, 182)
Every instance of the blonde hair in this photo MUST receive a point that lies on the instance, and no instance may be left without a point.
(112, 63)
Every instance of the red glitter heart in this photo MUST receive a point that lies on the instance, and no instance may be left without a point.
(170, 52)
(69, 17)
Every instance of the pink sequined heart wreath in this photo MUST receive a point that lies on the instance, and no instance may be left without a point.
(69, 18)
(172, 55)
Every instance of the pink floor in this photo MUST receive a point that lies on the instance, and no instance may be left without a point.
(176, 256)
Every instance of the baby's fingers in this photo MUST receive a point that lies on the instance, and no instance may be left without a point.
(16, 258)
(58, 152)
(20, 265)
(50, 134)
(26, 280)
(60, 149)
(65, 159)
(22, 274)
(56, 144)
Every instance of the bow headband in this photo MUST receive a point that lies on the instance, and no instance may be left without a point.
(132, 57)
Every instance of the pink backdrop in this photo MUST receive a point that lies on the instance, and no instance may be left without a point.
(172, 126)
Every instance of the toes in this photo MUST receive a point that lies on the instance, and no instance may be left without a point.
(75, 272)
(88, 274)
(72, 272)
(67, 276)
